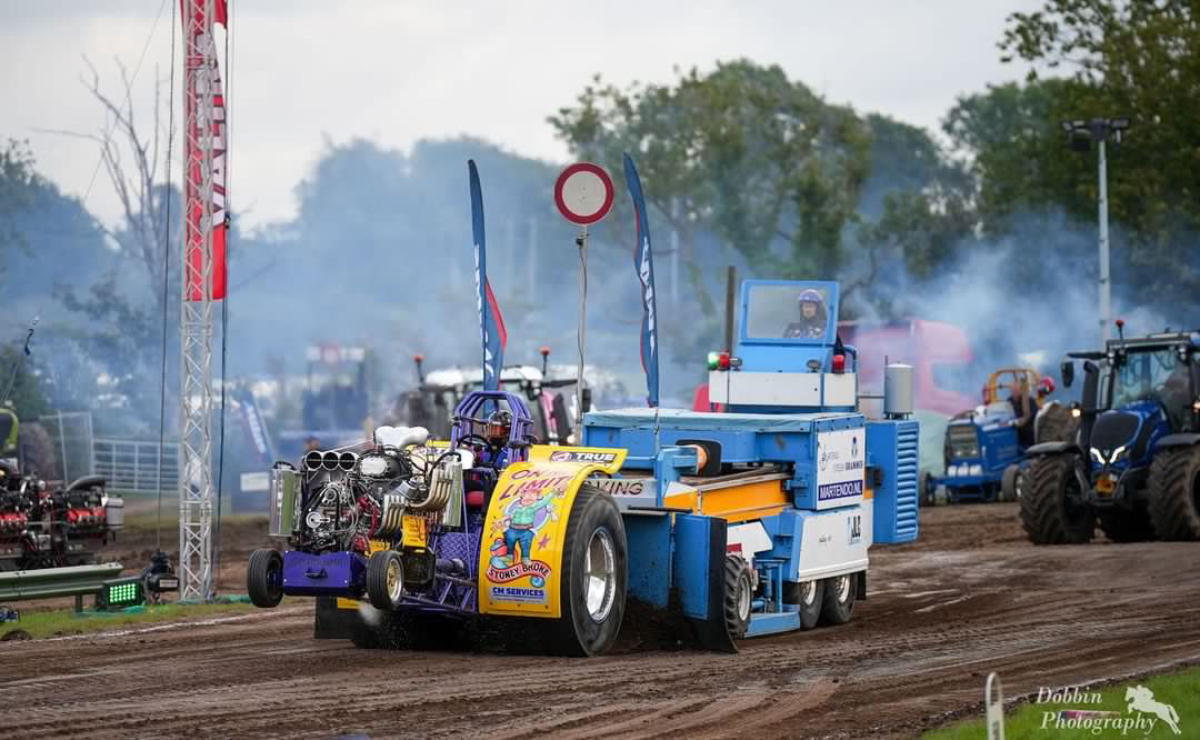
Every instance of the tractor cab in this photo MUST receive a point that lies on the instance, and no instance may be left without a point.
(788, 357)
(1141, 391)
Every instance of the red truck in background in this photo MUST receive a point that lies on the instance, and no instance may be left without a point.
(938, 352)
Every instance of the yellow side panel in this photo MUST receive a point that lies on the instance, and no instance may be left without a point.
(521, 557)
(736, 503)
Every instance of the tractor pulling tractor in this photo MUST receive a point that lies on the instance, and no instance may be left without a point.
(738, 524)
(47, 527)
(1134, 467)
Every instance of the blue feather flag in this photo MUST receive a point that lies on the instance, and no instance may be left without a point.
(643, 261)
(491, 323)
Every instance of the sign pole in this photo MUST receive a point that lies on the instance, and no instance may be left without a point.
(583, 194)
(581, 241)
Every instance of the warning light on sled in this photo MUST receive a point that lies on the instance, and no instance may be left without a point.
(718, 361)
(839, 364)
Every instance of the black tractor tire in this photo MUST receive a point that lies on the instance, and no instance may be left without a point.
(1012, 483)
(1175, 494)
(807, 597)
(925, 489)
(837, 603)
(264, 578)
(1126, 526)
(87, 481)
(385, 580)
(595, 532)
(739, 593)
(1052, 509)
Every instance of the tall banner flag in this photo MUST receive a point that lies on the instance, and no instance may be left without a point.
(491, 323)
(203, 84)
(643, 261)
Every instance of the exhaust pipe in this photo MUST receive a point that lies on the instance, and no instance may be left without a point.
(312, 460)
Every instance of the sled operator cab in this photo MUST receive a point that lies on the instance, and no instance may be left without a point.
(788, 357)
(792, 484)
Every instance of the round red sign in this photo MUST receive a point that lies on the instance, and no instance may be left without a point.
(584, 193)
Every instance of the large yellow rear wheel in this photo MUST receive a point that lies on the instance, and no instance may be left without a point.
(595, 574)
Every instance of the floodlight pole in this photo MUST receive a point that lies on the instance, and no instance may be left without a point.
(1081, 133)
(1105, 283)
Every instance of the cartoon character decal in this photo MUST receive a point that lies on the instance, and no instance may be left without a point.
(526, 514)
(527, 523)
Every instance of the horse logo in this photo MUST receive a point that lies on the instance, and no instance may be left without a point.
(1142, 699)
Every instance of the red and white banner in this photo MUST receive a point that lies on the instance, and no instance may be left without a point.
(204, 83)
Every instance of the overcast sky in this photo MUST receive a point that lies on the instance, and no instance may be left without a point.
(395, 71)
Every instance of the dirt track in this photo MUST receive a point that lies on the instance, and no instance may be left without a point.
(970, 598)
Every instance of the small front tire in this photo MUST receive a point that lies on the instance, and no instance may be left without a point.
(264, 578)
(385, 580)
(1012, 483)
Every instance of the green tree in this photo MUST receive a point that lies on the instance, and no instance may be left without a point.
(1142, 60)
(18, 183)
(1019, 158)
(742, 152)
(916, 208)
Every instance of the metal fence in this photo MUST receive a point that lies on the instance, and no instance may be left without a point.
(132, 466)
(71, 434)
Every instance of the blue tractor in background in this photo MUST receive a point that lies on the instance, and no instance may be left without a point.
(1134, 467)
(986, 447)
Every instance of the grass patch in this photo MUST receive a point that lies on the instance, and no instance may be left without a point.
(65, 622)
(1038, 719)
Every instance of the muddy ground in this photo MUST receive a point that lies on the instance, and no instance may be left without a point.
(971, 597)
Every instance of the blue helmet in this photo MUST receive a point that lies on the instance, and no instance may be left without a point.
(809, 295)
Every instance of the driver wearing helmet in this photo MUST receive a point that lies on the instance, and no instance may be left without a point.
(1045, 388)
(813, 317)
(498, 426)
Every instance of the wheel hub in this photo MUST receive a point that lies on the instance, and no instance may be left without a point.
(395, 581)
(808, 592)
(743, 598)
(600, 579)
(843, 588)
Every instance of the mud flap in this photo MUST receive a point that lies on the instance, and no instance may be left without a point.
(699, 567)
(332, 622)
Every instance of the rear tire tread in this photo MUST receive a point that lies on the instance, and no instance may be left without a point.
(737, 576)
(1173, 508)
